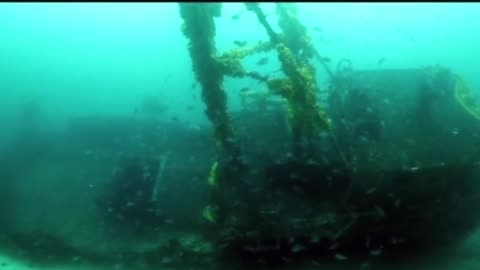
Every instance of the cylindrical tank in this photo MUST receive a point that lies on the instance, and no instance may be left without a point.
(408, 179)
(392, 119)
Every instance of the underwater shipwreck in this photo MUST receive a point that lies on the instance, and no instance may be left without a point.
(385, 165)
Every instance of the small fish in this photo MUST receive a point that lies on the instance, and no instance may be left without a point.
(262, 61)
(265, 78)
(414, 169)
(333, 246)
(130, 204)
(340, 257)
(381, 61)
(236, 16)
(412, 39)
(318, 29)
(363, 139)
(397, 203)
(293, 176)
(194, 84)
(365, 265)
(371, 190)
(239, 43)
(380, 211)
(410, 141)
(291, 239)
(169, 221)
(297, 248)
(190, 107)
(167, 260)
(376, 252)
(244, 90)
(325, 59)
(224, 245)
(297, 189)
(396, 241)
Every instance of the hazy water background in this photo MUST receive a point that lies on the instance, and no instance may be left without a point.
(80, 59)
(101, 58)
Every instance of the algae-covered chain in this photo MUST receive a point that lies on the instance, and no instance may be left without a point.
(209, 212)
(465, 97)
(199, 28)
(294, 49)
(298, 88)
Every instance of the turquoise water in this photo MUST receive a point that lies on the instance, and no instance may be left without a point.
(101, 58)
(80, 81)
